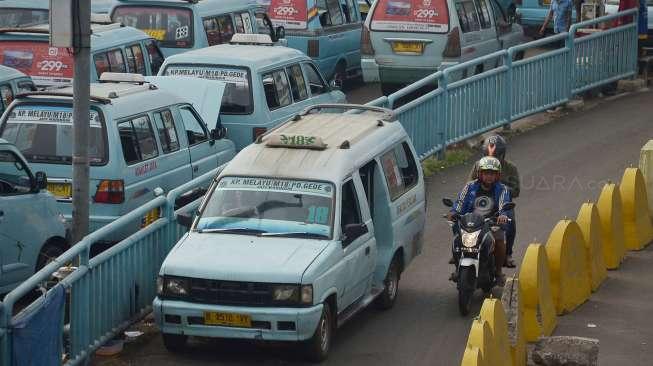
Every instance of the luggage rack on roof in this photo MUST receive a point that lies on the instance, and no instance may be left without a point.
(94, 98)
(387, 114)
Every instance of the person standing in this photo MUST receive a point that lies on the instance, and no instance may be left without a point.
(560, 12)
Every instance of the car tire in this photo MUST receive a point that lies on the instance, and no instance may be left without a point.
(49, 252)
(387, 298)
(175, 342)
(340, 75)
(317, 348)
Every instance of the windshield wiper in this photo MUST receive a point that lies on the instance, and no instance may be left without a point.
(298, 234)
(234, 230)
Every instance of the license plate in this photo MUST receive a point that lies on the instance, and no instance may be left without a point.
(546, 2)
(227, 319)
(60, 190)
(412, 47)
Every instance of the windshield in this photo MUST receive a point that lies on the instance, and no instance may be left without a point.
(269, 206)
(237, 98)
(171, 26)
(48, 66)
(44, 133)
(15, 17)
(417, 16)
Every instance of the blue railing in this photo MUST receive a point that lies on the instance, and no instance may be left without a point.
(114, 289)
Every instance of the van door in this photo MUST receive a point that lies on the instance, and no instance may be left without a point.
(174, 163)
(508, 34)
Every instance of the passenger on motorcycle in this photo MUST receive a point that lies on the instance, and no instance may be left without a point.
(486, 196)
(496, 146)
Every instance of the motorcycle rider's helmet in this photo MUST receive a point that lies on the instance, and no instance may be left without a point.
(495, 145)
(489, 163)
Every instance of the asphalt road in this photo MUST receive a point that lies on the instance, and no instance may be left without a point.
(562, 164)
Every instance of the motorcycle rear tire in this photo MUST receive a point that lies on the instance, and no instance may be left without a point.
(466, 287)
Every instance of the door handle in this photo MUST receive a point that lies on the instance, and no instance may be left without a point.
(196, 168)
(367, 251)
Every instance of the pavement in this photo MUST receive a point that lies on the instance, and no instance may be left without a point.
(563, 163)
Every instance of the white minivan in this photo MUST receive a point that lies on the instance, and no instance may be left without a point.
(405, 40)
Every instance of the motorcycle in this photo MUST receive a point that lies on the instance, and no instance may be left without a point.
(472, 245)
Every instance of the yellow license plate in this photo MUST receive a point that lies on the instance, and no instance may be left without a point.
(413, 47)
(227, 319)
(61, 190)
(546, 2)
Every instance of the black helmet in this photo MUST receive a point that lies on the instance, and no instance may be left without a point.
(495, 145)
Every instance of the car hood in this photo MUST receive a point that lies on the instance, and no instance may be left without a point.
(242, 257)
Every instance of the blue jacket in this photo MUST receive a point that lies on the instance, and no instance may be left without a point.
(465, 202)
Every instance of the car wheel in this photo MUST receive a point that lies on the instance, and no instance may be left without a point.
(48, 253)
(390, 286)
(340, 75)
(317, 348)
(175, 342)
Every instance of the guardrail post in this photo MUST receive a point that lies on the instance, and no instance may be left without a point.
(442, 83)
(569, 45)
(5, 335)
(507, 103)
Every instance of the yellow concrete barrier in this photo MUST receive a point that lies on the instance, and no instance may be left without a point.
(646, 166)
(539, 310)
(492, 312)
(570, 279)
(472, 357)
(590, 225)
(612, 225)
(480, 336)
(638, 230)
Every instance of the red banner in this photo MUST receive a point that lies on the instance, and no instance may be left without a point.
(46, 65)
(291, 14)
(411, 16)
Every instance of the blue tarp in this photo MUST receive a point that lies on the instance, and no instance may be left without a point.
(37, 331)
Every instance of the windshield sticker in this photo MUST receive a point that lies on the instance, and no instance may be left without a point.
(181, 32)
(233, 76)
(49, 115)
(291, 14)
(279, 185)
(411, 16)
(158, 34)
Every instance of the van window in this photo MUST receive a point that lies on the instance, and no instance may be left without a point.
(417, 16)
(237, 97)
(44, 133)
(17, 17)
(467, 16)
(329, 12)
(297, 83)
(483, 13)
(195, 130)
(317, 85)
(350, 212)
(109, 61)
(172, 26)
(350, 8)
(219, 29)
(135, 59)
(499, 17)
(167, 132)
(6, 97)
(277, 93)
(14, 176)
(137, 140)
(400, 170)
(243, 23)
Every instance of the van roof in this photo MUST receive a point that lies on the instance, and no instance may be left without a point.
(31, 4)
(8, 73)
(252, 56)
(351, 141)
(201, 7)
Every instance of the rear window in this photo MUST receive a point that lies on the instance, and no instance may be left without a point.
(16, 17)
(48, 66)
(291, 14)
(171, 26)
(415, 16)
(44, 133)
(237, 98)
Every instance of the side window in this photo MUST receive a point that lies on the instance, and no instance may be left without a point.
(315, 81)
(329, 12)
(101, 63)
(137, 140)
(297, 83)
(499, 17)
(350, 213)
(166, 128)
(350, 8)
(25, 86)
(400, 170)
(195, 130)
(467, 16)
(367, 177)
(14, 176)
(483, 13)
(219, 29)
(243, 23)
(6, 97)
(135, 60)
(156, 58)
(277, 92)
(116, 61)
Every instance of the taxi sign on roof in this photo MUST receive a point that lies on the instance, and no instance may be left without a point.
(294, 141)
(247, 38)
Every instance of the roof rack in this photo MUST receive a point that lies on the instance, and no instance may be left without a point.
(94, 98)
(387, 114)
(122, 77)
(252, 39)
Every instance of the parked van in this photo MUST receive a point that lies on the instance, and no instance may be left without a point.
(12, 82)
(32, 230)
(300, 231)
(404, 41)
(23, 13)
(182, 25)
(267, 85)
(328, 31)
(142, 136)
(531, 14)
(114, 48)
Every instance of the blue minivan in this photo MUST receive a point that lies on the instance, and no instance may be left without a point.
(328, 31)
(12, 82)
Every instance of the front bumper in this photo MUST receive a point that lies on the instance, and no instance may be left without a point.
(305, 320)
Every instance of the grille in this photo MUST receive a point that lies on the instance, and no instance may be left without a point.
(230, 292)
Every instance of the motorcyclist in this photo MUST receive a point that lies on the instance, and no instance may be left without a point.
(496, 146)
(486, 196)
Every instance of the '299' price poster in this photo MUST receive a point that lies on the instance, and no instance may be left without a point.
(291, 14)
(429, 16)
(48, 66)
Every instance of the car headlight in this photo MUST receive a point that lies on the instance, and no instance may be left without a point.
(285, 293)
(469, 239)
(159, 285)
(175, 286)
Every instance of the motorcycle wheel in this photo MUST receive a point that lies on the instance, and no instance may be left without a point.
(466, 287)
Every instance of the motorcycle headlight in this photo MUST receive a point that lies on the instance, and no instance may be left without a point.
(175, 286)
(469, 239)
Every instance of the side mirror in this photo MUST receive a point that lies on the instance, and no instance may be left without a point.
(508, 206)
(280, 32)
(218, 133)
(40, 181)
(447, 202)
(353, 232)
(336, 84)
(185, 220)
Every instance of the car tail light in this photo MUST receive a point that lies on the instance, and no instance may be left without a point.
(452, 49)
(313, 48)
(110, 191)
(258, 131)
(366, 42)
